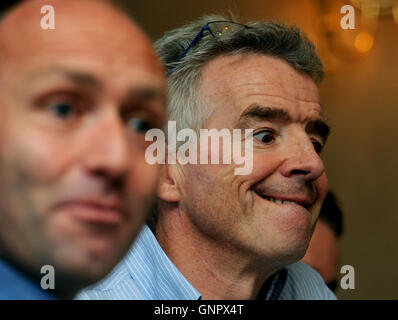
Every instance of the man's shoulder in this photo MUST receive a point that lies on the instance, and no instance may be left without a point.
(14, 285)
(304, 283)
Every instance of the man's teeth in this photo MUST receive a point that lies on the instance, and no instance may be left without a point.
(280, 201)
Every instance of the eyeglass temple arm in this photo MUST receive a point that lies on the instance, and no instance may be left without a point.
(194, 41)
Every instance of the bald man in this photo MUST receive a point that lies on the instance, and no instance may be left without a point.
(75, 104)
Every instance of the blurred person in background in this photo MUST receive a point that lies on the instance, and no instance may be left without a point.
(323, 253)
(75, 104)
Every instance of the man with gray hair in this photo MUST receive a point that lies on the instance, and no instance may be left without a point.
(216, 234)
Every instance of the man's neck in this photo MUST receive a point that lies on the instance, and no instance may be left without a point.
(216, 270)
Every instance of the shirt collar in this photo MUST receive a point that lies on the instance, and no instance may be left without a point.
(158, 278)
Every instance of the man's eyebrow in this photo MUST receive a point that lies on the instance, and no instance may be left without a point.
(264, 113)
(151, 97)
(145, 93)
(83, 79)
(89, 80)
(318, 127)
(77, 77)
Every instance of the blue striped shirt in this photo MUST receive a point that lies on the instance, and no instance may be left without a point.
(146, 273)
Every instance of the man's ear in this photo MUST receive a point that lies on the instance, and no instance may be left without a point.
(167, 188)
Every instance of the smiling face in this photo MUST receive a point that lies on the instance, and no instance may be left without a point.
(75, 103)
(270, 213)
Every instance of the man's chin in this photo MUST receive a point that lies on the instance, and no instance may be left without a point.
(77, 275)
(69, 282)
(85, 267)
(289, 251)
(295, 252)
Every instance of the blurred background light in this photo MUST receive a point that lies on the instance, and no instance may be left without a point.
(364, 42)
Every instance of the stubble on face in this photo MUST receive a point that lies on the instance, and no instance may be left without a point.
(224, 207)
(44, 159)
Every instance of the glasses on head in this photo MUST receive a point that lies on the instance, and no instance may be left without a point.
(216, 29)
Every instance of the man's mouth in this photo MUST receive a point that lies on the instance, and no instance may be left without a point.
(94, 211)
(293, 200)
(280, 201)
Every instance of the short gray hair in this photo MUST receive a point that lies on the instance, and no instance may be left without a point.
(263, 37)
(185, 105)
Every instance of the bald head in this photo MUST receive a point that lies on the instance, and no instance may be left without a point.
(80, 26)
(75, 102)
(27, 11)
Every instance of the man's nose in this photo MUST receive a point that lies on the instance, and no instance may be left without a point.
(106, 149)
(303, 161)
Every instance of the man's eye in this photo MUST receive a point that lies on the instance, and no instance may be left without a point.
(266, 136)
(317, 146)
(138, 125)
(61, 109)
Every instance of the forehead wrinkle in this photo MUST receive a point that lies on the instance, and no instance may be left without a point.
(254, 77)
(247, 91)
(252, 83)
